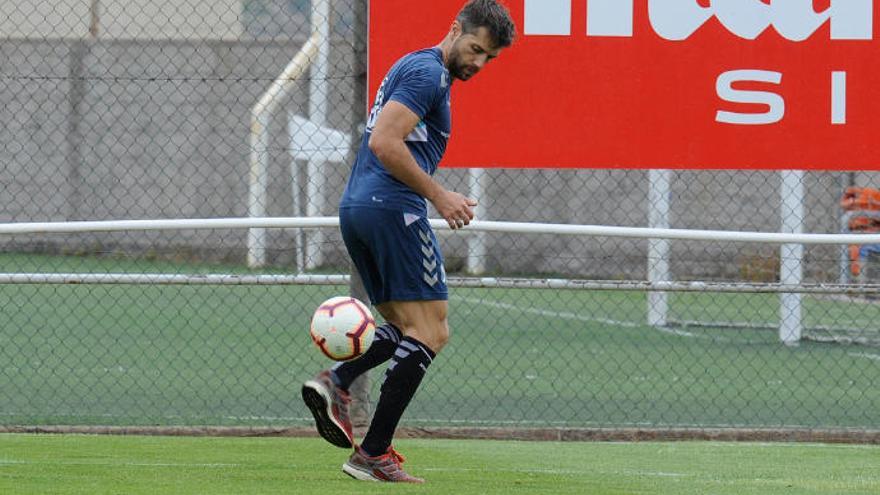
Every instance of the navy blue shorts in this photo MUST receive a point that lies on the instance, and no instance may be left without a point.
(395, 253)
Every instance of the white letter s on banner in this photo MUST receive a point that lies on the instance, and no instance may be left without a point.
(724, 87)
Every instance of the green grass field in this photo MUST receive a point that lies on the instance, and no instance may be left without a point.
(76, 464)
(237, 355)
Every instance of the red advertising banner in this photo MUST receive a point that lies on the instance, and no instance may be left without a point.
(765, 84)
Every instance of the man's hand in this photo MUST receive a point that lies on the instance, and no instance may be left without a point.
(455, 208)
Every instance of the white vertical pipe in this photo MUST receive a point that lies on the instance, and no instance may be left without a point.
(658, 249)
(259, 138)
(477, 249)
(316, 169)
(791, 266)
(299, 257)
(259, 141)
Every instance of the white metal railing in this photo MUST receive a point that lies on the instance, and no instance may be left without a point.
(462, 282)
(477, 225)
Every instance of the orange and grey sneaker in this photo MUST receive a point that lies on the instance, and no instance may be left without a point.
(386, 467)
(329, 406)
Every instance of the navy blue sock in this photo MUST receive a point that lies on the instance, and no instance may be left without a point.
(384, 343)
(405, 373)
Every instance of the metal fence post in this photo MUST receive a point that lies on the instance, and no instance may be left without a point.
(360, 389)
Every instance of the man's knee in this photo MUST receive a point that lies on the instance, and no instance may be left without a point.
(432, 332)
(438, 336)
(424, 321)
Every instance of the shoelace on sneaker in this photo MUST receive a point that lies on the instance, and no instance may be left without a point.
(390, 458)
(390, 463)
(386, 466)
(393, 461)
(396, 456)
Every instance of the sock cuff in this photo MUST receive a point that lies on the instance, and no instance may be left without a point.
(335, 378)
(387, 331)
(415, 345)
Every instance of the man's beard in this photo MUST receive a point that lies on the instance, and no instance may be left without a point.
(457, 69)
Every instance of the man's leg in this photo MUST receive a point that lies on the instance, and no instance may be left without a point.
(386, 340)
(425, 333)
(327, 396)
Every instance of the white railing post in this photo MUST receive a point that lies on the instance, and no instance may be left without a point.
(477, 249)
(792, 255)
(658, 249)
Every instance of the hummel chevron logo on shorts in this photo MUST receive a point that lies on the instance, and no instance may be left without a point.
(429, 261)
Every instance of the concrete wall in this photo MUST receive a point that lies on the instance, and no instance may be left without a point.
(37, 19)
(122, 19)
(130, 129)
(170, 19)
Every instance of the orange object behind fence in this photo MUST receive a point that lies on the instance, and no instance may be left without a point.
(860, 199)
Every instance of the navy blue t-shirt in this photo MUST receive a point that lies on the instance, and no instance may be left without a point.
(421, 82)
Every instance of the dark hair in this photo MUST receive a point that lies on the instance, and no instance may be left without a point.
(491, 15)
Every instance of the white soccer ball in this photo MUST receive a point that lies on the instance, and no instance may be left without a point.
(342, 328)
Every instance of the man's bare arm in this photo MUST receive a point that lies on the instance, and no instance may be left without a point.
(394, 123)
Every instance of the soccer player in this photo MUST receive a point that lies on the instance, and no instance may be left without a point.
(383, 218)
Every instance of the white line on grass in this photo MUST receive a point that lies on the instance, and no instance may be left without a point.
(123, 464)
(570, 472)
(554, 314)
(656, 474)
(795, 445)
(177, 417)
(597, 425)
(873, 357)
(588, 319)
(682, 333)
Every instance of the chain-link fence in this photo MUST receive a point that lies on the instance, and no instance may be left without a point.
(119, 109)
